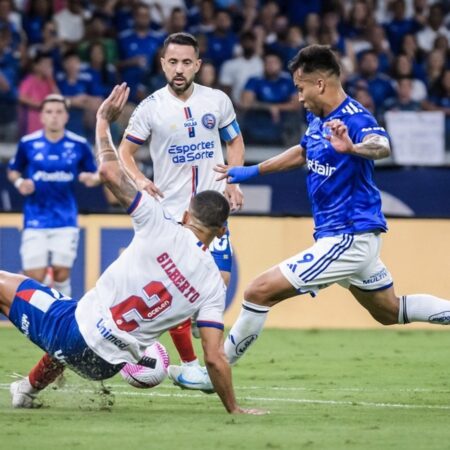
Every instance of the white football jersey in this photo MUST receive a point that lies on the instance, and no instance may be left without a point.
(162, 278)
(185, 143)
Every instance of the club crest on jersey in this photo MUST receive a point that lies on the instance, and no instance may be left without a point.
(209, 121)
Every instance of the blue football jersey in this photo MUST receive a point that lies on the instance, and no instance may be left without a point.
(341, 189)
(53, 167)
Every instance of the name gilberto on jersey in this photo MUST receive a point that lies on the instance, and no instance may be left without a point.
(191, 152)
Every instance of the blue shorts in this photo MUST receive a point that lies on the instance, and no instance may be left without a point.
(221, 251)
(47, 318)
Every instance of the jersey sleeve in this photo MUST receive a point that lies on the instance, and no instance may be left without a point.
(211, 312)
(309, 118)
(19, 161)
(87, 162)
(139, 127)
(228, 114)
(361, 125)
(148, 215)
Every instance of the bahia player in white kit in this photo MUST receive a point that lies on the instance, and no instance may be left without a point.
(165, 275)
(184, 124)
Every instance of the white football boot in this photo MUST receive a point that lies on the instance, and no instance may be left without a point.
(191, 376)
(23, 395)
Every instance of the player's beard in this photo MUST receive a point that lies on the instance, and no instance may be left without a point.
(179, 89)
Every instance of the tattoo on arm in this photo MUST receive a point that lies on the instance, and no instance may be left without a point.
(374, 147)
(119, 182)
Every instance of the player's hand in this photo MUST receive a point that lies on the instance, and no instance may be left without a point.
(144, 184)
(236, 174)
(89, 179)
(113, 105)
(338, 137)
(250, 411)
(27, 187)
(234, 196)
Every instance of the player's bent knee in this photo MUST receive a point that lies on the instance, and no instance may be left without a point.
(258, 292)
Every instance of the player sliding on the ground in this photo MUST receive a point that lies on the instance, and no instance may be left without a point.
(156, 283)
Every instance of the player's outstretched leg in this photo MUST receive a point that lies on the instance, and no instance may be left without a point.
(24, 392)
(389, 309)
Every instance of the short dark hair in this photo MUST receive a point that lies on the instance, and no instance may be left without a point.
(181, 39)
(55, 98)
(211, 208)
(314, 58)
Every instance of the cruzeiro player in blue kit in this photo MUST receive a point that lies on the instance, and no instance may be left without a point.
(44, 169)
(338, 149)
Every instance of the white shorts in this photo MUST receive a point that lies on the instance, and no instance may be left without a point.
(49, 246)
(346, 259)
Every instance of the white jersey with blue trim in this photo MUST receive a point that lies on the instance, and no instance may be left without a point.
(341, 188)
(184, 139)
(162, 278)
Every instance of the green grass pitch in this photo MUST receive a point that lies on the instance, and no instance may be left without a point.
(377, 389)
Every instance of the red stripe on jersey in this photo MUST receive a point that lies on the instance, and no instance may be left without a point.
(26, 294)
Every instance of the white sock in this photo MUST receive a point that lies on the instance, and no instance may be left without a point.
(424, 308)
(245, 330)
(64, 287)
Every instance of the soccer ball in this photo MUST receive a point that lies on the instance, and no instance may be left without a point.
(146, 377)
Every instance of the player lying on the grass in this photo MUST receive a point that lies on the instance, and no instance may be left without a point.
(164, 276)
(338, 148)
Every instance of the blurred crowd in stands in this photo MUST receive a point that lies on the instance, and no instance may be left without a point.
(394, 55)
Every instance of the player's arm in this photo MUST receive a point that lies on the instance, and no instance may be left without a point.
(373, 146)
(235, 157)
(24, 185)
(219, 370)
(290, 159)
(110, 170)
(127, 152)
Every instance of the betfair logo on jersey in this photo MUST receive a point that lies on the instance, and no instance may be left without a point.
(58, 176)
(191, 152)
(322, 169)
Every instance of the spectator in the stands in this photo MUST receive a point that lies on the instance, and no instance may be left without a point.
(378, 84)
(12, 21)
(434, 28)
(177, 21)
(404, 101)
(235, 72)
(207, 75)
(79, 88)
(439, 100)
(37, 14)
(137, 50)
(298, 10)
(415, 54)
(70, 22)
(400, 25)
(9, 68)
(288, 42)
(206, 21)
(378, 42)
(222, 42)
(434, 66)
(32, 91)
(123, 15)
(50, 45)
(98, 29)
(270, 103)
(362, 95)
(103, 74)
(312, 29)
(360, 18)
(402, 68)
